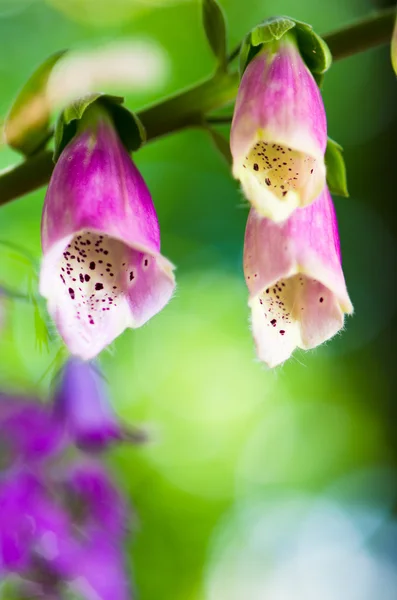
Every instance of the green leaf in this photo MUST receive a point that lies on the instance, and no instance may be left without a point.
(27, 126)
(127, 124)
(336, 169)
(221, 143)
(271, 30)
(313, 48)
(215, 29)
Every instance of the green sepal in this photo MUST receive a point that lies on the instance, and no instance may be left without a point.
(271, 30)
(221, 143)
(314, 50)
(312, 47)
(27, 126)
(215, 28)
(336, 169)
(128, 126)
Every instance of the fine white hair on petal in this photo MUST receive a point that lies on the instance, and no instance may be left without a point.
(295, 312)
(120, 66)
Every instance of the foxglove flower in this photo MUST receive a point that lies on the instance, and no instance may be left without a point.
(279, 132)
(293, 271)
(82, 407)
(102, 269)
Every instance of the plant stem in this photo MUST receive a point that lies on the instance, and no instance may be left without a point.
(13, 294)
(29, 175)
(367, 33)
(373, 30)
(219, 119)
(189, 107)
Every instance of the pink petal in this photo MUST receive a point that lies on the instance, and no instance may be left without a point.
(279, 133)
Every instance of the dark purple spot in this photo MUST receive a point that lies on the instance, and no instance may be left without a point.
(282, 331)
(321, 299)
(71, 293)
(99, 286)
(92, 265)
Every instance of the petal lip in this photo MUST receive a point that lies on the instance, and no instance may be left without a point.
(302, 254)
(96, 190)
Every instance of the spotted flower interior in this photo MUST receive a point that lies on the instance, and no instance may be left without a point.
(279, 168)
(97, 274)
(294, 312)
(284, 302)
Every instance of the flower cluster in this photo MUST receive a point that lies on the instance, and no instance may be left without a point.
(62, 520)
(292, 260)
(102, 269)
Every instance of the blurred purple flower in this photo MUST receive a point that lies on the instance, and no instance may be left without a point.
(83, 408)
(64, 530)
(92, 560)
(100, 572)
(28, 431)
(101, 507)
(32, 525)
(102, 269)
(279, 132)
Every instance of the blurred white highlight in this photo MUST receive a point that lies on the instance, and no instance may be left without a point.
(119, 67)
(301, 548)
(116, 68)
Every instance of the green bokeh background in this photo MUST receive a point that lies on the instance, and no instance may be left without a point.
(224, 429)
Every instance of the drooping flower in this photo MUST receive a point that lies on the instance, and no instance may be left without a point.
(279, 132)
(102, 269)
(82, 407)
(64, 529)
(293, 270)
(62, 525)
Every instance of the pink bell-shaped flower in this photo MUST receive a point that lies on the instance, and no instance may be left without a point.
(293, 270)
(279, 132)
(102, 269)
